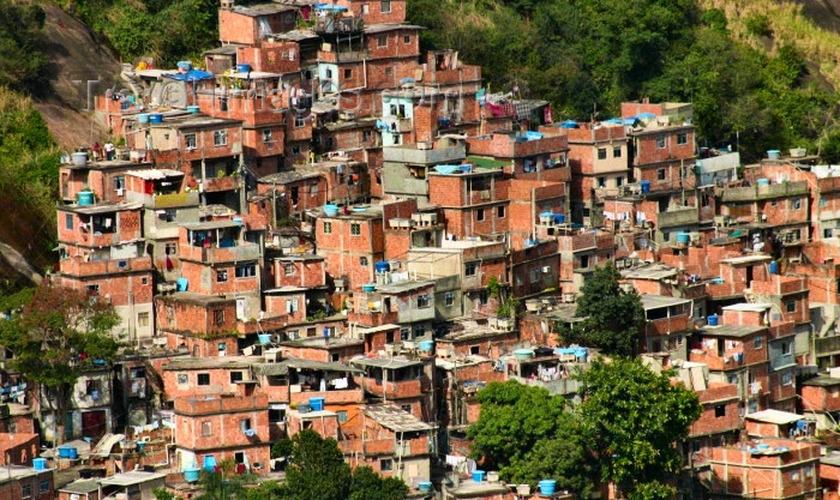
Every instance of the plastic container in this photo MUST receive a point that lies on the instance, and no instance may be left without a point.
(72, 453)
(559, 218)
(426, 345)
(424, 486)
(383, 266)
(774, 267)
(182, 284)
(141, 445)
(523, 353)
(330, 210)
(79, 159)
(143, 118)
(184, 65)
(85, 198)
(683, 238)
(194, 110)
(774, 154)
(304, 408)
(713, 320)
(478, 476)
(317, 404)
(547, 487)
(210, 463)
(243, 68)
(191, 475)
(368, 288)
(39, 463)
(155, 118)
(466, 168)
(763, 182)
(264, 338)
(645, 185)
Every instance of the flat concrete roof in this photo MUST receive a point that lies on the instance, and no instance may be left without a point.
(392, 363)
(744, 306)
(395, 418)
(656, 301)
(131, 478)
(776, 417)
(731, 330)
(196, 363)
(747, 259)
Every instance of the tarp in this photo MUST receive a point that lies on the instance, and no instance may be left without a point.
(192, 75)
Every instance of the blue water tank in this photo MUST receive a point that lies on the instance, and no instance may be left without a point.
(185, 65)
(774, 154)
(155, 118)
(547, 487)
(143, 118)
(763, 182)
(182, 284)
(713, 320)
(264, 338)
(194, 110)
(210, 463)
(774, 267)
(191, 475)
(317, 404)
(383, 266)
(330, 210)
(39, 463)
(559, 218)
(645, 186)
(426, 345)
(683, 238)
(85, 198)
(243, 68)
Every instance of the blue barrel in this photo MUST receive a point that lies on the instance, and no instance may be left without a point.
(478, 476)
(143, 118)
(383, 266)
(155, 118)
(85, 198)
(39, 463)
(559, 218)
(683, 238)
(317, 404)
(645, 186)
(191, 475)
(210, 463)
(426, 345)
(774, 267)
(713, 320)
(763, 182)
(547, 487)
(182, 284)
(330, 210)
(243, 68)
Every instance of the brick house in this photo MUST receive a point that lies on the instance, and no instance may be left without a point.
(821, 399)
(351, 242)
(404, 380)
(26, 482)
(720, 421)
(667, 326)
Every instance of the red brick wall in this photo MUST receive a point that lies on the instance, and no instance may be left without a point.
(308, 273)
(715, 395)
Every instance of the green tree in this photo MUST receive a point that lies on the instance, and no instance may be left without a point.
(57, 336)
(632, 418)
(23, 63)
(223, 483)
(611, 316)
(368, 485)
(316, 470)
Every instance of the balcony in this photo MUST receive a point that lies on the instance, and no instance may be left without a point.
(398, 389)
(827, 345)
(828, 184)
(241, 253)
(398, 125)
(342, 56)
(223, 404)
(344, 25)
(331, 397)
(227, 183)
(766, 192)
(677, 218)
(78, 267)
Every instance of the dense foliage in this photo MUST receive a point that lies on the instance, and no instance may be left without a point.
(610, 316)
(587, 56)
(623, 432)
(23, 63)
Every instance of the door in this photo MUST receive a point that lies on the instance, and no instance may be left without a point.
(240, 308)
(94, 423)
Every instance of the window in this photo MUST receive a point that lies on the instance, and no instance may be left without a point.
(183, 378)
(809, 470)
(660, 142)
(189, 141)
(790, 306)
(366, 135)
(535, 274)
(616, 151)
(483, 297)
(246, 270)
(758, 343)
(682, 138)
(363, 261)
(300, 121)
(470, 268)
(386, 464)
(143, 319)
(92, 289)
(785, 348)
(221, 276)
(619, 181)
(389, 71)
(292, 305)
(244, 424)
(341, 415)
(385, 6)
(660, 174)
(355, 229)
(45, 486)
(500, 212)
(235, 377)
(406, 408)
(220, 137)
(68, 221)
(419, 330)
(787, 378)
(171, 249)
(267, 135)
(720, 411)
(327, 227)
(219, 317)
(26, 491)
(382, 41)
(365, 9)
(602, 182)
(449, 299)
(203, 379)
(407, 39)
(424, 301)
(474, 350)
(797, 204)
(119, 183)
(405, 334)
(348, 73)
(93, 387)
(602, 153)
(479, 214)
(206, 428)
(289, 269)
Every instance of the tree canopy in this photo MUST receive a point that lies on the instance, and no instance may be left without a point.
(23, 63)
(611, 316)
